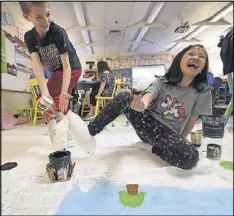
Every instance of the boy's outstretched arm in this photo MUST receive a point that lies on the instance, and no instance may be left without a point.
(39, 74)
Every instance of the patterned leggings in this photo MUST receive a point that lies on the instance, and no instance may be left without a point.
(166, 143)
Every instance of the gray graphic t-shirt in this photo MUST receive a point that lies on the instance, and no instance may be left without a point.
(174, 105)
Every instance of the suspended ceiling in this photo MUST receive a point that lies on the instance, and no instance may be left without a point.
(145, 28)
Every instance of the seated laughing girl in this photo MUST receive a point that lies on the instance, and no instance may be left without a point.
(166, 112)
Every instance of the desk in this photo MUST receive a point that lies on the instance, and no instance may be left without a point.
(82, 85)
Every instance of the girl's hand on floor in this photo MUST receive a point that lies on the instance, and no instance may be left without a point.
(64, 100)
(137, 103)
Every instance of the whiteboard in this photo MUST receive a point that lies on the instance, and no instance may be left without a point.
(143, 76)
(13, 83)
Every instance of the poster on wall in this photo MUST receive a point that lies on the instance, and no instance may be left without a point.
(9, 19)
(151, 61)
(132, 62)
(124, 62)
(109, 62)
(21, 33)
(116, 63)
(3, 19)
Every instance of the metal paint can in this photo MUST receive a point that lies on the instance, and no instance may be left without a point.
(44, 103)
(60, 167)
(214, 151)
(196, 138)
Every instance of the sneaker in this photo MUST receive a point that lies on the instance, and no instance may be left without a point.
(81, 133)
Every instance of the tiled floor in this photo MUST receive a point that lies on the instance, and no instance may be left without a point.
(26, 189)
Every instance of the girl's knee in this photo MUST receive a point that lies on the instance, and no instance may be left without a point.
(191, 159)
(125, 96)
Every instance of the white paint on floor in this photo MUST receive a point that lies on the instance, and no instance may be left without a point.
(26, 189)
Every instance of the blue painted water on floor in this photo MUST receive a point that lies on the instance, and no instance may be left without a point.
(102, 199)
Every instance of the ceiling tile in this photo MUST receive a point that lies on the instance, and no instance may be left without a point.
(118, 11)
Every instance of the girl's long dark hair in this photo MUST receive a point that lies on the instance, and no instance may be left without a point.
(174, 74)
(103, 66)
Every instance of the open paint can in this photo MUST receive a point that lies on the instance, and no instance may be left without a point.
(214, 151)
(196, 138)
(44, 103)
(60, 167)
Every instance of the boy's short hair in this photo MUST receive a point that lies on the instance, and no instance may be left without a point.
(25, 6)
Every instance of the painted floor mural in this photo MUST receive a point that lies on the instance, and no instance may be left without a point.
(104, 199)
(118, 180)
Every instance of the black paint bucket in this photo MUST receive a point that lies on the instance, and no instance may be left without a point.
(214, 151)
(213, 126)
(60, 166)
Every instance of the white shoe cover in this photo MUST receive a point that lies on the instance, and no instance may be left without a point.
(61, 133)
(51, 127)
(81, 133)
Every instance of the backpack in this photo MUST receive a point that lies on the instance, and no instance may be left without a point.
(226, 53)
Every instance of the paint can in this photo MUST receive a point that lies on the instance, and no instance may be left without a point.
(44, 103)
(60, 167)
(214, 151)
(196, 138)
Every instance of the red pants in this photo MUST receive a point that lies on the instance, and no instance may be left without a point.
(55, 84)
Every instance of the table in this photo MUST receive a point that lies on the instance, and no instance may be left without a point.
(84, 84)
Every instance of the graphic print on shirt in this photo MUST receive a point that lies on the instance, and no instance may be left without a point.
(173, 108)
(50, 57)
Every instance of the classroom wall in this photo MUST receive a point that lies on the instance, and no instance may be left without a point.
(165, 59)
(18, 22)
(14, 100)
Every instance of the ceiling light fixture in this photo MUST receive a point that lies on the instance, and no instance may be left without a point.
(223, 12)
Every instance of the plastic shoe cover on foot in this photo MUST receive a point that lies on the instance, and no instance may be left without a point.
(81, 133)
(69, 135)
(61, 132)
(71, 143)
(51, 127)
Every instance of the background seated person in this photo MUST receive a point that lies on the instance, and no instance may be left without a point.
(107, 81)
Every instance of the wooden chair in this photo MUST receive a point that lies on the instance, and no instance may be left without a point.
(35, 90)
(101, 101)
